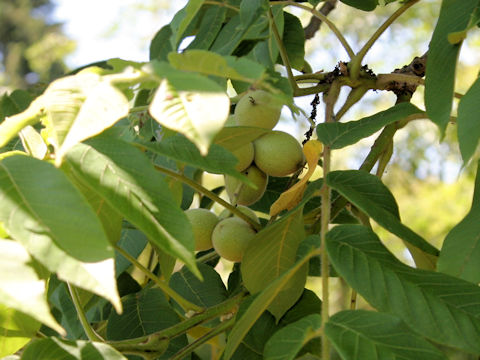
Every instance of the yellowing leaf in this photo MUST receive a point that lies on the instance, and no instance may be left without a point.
(290, 198)
(199, 331)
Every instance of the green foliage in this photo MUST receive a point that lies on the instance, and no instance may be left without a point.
(442, 59)
(361, 335)
(97, 256)
(423, 298)
(468, 131)
(458, 255)
(340, 134)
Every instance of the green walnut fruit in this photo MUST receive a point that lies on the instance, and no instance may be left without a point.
(278, 153)
(203, 222)
(241, 193)
(231, 237)
(244, 209)
(258, 108)
(244, 154)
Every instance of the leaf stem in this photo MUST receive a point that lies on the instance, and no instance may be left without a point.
(91, 334)
(330, 100)
(184, 303)
(138, 109)
(209, 194)
(282, 50)
(325, 19)
(227, 306)
(224, 4)
(207, 257)
(357, 59)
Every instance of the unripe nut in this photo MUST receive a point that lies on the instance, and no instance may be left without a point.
(231, 237)
(258, 108)
(278, 153)
(244, 154)
(242, 194)
(203, 222)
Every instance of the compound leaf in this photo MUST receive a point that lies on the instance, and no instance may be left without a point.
(441, 307)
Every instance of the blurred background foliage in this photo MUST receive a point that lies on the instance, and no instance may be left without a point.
(32, 44)
(432, 186)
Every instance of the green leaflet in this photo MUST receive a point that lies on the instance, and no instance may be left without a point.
(260, 304)
(442, 60)
(208, 292)
(58, 349)
(442, 308)
(182, 20)
(294, 40)
(73, 244)
(209, 28)
(18, 278)
(75, 108)
(145, 313)
(16, 330)
(14, 103)
(365, 5)
(210, 63)
(287, 342)
(361, 334)
(34, 196)
(184, 101)
(160, 46)
(467, 121)
(271, 252)
(460, 255)
(217, 161)
(340, 134)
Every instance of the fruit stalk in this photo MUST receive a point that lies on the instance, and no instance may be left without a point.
(82, 317)
(184, 303)
(210, 195)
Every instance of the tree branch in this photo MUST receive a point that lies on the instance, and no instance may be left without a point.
(315, 22)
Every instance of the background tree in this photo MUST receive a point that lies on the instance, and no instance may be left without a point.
(32, 47)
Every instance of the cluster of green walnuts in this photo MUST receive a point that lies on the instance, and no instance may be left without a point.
(276, 153)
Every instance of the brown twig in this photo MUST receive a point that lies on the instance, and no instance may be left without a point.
(315, 22)
(415, 70)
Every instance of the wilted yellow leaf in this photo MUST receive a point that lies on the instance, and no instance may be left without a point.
(290, 198)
